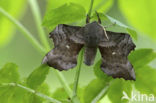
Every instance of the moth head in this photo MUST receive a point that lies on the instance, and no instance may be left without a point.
(92, 33)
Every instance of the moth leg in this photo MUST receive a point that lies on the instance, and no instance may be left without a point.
(97, 14)
(87, 19)
(113, 24)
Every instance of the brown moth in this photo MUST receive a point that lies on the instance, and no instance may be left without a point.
(114, 48)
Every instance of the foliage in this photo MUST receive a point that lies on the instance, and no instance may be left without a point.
(143, 73)
(10, 92)
(33, 89)
(37, 77)
(93, 89)
(143, 83)
(70, 13)
(100, 5)
(9, 73)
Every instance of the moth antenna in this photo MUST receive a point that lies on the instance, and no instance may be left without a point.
(87, 19)
(97, 14)
(105, 33)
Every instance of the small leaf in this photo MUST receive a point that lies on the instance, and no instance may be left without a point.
(16, 94)
(146, 80)
(117, 89)
(93, 89)
(9, 73)
(99, 5)
(116, 21)
(132, 32)
(6, 92)
(66, 13)
(37, 77)
(61, 95)
(141, 57)
(11, 94)
(117, 27)
(127, 88)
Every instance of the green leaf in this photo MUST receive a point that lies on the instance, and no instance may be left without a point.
(146, 80)
(141, 57)
(93, 89)
(99, 5)
(115, 91)
(99, 73)
(37, 77)
(117, 27)
(14, 7)
(127, 88)
(117, 87)
(11, 94)
(61, 95)
(140, 14)
(66, 13)
(16, 96)
(6, 93)
(121, 26)
(9, 73)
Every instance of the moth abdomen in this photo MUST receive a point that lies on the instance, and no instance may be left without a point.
(89, 55)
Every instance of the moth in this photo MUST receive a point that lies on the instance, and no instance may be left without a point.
(114, 48)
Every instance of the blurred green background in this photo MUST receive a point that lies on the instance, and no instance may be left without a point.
(14, 47)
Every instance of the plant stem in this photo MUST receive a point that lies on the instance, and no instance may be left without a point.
(90, 8)
(37, 16)
(26, 33)
(32, 91)
(38, 46)
(103, 91)
(64, 83)
(78, 69)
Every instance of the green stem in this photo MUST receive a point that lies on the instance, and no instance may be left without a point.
(26, 33)
(32, 91)
(90, 8)
(37, 16)
(100, 95)
(37, 45)
(78, 69)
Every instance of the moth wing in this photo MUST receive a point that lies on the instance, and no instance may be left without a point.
(65, 52)
(63, 32)
(115, 55)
